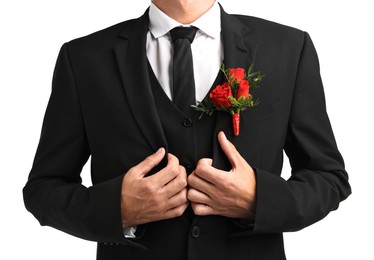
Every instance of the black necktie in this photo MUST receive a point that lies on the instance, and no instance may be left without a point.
(183, 78)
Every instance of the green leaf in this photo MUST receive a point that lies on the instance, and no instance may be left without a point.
(249, 70)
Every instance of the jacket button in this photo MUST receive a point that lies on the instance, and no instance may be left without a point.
(195, 233)
(187, 122)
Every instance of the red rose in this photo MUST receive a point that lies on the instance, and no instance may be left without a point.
(243, 89)
(220, 95)
(238, 74)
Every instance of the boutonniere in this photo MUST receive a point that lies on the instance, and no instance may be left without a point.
(233, 96)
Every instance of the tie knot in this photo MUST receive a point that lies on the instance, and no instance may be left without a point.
(183, 33)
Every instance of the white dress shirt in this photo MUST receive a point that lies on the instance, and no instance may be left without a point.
(207, 54)
(207, 50)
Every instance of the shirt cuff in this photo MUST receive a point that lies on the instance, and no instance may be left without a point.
(129, 232)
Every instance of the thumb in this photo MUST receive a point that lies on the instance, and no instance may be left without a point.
(150, 162)
(229, 149)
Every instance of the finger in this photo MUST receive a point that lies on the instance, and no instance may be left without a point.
(176, 212)
(194, 181)
(205, 171)
(149, 163)
(165, 175)
(198, 197)
(177, 184)
(208, 162)
(177, 200)
(172, 170)
(229, 149)
(202, 209)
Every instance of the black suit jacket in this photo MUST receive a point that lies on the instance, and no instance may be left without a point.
(102, 106)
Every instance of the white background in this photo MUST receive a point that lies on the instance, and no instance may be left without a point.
(31, 35)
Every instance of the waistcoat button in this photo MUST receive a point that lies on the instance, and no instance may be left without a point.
(195, 233)
(187, 122)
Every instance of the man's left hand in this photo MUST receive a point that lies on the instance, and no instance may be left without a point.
(216, 192)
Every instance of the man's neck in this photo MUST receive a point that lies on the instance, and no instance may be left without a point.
(184, 11)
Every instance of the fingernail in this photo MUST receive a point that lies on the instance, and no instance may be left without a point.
(224, 135)
(160, 150)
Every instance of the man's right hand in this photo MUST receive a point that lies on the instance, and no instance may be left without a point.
(162, 195)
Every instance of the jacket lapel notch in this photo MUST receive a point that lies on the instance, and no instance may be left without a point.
(237, 52)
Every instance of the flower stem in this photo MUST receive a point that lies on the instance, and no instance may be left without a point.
(236, 123)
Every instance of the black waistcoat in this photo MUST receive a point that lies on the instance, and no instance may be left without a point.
(187, 137)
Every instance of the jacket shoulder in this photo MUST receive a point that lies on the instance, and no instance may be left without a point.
(108, 37)
(256, 22)
(102, 37)
(271, 30)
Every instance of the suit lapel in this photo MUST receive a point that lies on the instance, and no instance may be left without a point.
(132, 62)
(239, 52)
(237, 48)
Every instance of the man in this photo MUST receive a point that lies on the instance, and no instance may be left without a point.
(167, 185)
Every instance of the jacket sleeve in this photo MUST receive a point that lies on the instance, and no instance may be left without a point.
(54, 193)
(319, 181)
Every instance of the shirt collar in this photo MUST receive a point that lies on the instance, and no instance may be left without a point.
(209, 23)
